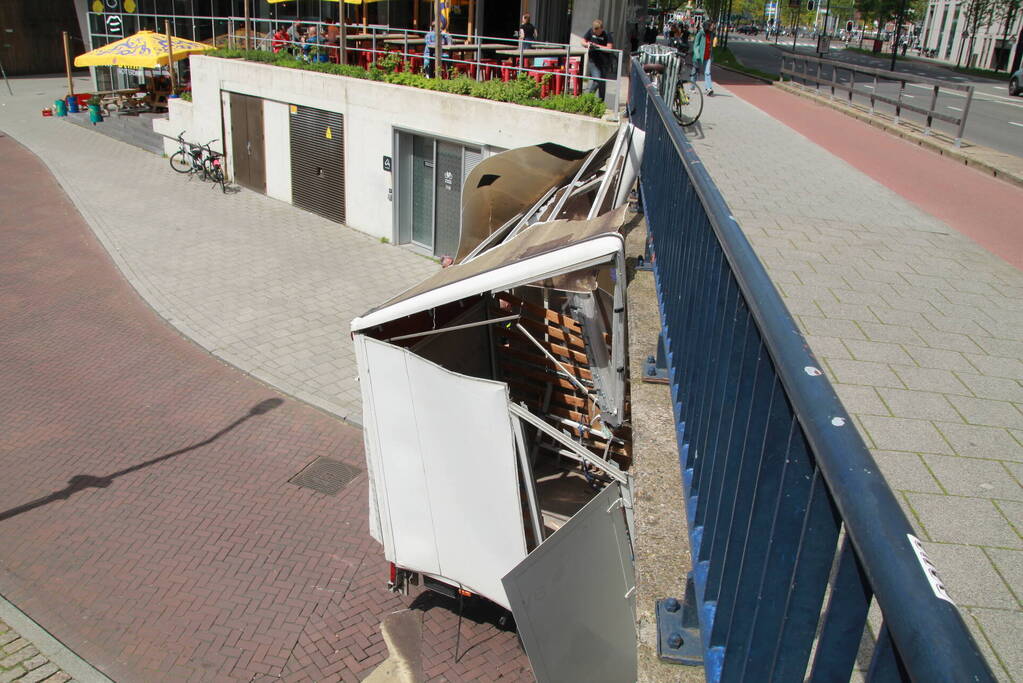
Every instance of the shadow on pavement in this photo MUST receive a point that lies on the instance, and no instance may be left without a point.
(81, 482)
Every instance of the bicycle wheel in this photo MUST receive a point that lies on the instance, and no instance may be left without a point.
(215, 172)
(181, 162)
(687, 103)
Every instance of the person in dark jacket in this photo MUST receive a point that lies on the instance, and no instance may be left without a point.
(600, 60)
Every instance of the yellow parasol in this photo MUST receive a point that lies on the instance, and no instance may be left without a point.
(144, 50)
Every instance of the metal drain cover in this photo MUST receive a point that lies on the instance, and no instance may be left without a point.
(326, 475)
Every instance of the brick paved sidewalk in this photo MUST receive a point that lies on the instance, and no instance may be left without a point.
(21, 662)
(147, 518)
(921, 331)
(259, 283)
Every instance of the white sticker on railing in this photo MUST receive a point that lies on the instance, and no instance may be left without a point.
(929, 570)
(838, 421)
(812, 371)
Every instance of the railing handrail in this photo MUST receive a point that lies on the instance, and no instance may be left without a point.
(929, 633)
(880, 73)
(931, 111)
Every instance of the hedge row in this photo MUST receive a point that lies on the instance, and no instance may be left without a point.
(521, 90)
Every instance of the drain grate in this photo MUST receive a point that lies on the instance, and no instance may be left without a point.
(326, 475)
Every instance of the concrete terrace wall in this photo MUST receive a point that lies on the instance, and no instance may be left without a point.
(373, 112)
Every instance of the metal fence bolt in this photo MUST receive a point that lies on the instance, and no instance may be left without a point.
(672, 604)
(675, 640)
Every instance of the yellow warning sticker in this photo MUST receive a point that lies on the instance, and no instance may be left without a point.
(328, 134)
(294, 109)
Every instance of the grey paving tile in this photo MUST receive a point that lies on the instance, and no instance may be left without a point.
(986, 412)
(969, 576)
(861, 400)
(877, 352)
(1009, 564)
(931, 379)
(828, 347)
(996, 366)
(1002, 628)
(828, 327)
(923, 405)
(896, 334)
(899, 434)
(999, 388)
(965, 521)
(906, 472)
(982, 442)
(974, 477)
(862, 372)
(1013, 511)
(942, 359)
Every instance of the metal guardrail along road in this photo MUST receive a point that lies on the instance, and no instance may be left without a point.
(820, 77)
(793, 529)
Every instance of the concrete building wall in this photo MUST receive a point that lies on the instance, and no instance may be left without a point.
(372, 112)
(276, 133)
(953, 41)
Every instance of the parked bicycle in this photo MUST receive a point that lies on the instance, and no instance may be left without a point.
(686, 97)
(200, 160)
(188, 158)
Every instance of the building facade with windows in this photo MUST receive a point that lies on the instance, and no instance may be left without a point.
(992, 42)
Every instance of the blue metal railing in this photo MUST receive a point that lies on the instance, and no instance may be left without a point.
(786, 506)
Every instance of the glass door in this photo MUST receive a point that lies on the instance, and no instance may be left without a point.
(423, 184)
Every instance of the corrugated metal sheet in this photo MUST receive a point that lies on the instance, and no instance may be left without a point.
(318, 162)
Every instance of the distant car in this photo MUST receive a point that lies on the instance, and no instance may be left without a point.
(1016, 82)
(748, 30)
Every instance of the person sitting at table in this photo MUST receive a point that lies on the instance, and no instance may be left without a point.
(431, 41)
(279, 40)
(332, 32)
(312, 39)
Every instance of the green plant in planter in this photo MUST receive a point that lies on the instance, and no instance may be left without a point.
(94, 101)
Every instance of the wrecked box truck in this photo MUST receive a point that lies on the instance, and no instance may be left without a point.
(496, 409)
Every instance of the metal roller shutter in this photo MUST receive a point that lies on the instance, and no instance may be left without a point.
(318, 162)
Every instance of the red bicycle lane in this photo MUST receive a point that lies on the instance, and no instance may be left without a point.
(987, 210)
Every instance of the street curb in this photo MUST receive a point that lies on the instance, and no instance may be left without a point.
(744, 73)
(58, 653)
(992, 162)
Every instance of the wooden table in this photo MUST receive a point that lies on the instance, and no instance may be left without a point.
(370, 36)
(467, 47)
(544, 52)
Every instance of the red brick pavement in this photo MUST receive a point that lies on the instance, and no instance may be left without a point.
(146, 518)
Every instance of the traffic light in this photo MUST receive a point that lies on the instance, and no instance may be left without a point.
(848, 26)
(809, 5)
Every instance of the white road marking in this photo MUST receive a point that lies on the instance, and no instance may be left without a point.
(954, 108)
(1013, 123)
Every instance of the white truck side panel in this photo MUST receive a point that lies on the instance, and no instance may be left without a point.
(445, 468)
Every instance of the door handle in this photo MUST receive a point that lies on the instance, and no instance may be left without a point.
(248, 147)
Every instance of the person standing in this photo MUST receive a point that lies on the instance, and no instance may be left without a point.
(527, 32)
(703, 47)
(600, 61)
(431, 43)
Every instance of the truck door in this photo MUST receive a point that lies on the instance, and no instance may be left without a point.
(443, 472)
(574, 599)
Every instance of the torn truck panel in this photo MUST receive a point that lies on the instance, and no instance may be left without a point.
(444, 453)
(504, 185)
(496, 410)
(573, 598)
